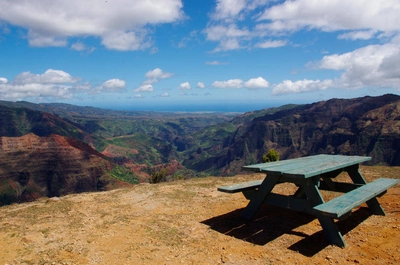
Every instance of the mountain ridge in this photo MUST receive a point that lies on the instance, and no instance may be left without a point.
(174, 146)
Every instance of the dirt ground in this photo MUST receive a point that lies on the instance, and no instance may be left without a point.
(190, 222)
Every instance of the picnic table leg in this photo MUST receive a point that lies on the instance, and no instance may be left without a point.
(260, 195)
(357, 178)
(328, 224)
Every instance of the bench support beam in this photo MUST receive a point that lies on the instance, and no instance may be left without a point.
(328, 224)
(259, 196)
(357, 178)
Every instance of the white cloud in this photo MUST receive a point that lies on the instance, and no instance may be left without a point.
(289, 87)
(271, 44)
(373, 65)
(256, 83)
(228, 36)
(138, 96)
(185, 86)
(78, 46)
(157, 74)
(358, 35)
(113, 85)
(252, 83)
(50, 84)
(121, 24)
(125, 41)
(219, 32)
(144, 88)
(165, 95)
(228, 8)
(232, 83)
(333, 15)
(200, 85)
(234, 9)
(53, 84)
(51, 76)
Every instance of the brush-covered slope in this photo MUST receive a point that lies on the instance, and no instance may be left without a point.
(21, 121)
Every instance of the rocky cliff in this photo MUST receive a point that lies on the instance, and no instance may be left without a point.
(364, 126)
(33, 166)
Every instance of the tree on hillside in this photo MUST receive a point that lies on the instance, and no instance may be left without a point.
(271, 156)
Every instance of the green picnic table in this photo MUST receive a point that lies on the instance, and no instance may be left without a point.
(312, 174)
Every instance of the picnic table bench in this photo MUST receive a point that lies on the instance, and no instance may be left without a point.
(312, 174)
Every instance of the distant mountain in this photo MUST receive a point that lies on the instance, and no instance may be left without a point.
(18, 121)
(33, 166)
(362, 126)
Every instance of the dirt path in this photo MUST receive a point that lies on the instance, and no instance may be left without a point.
(190, 222)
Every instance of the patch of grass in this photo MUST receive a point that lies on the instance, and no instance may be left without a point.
(124, 174)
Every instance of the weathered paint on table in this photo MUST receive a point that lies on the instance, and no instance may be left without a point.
(311, 174)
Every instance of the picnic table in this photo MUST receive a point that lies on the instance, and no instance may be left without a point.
(311, 174)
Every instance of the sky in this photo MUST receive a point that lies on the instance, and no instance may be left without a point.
(186, 55)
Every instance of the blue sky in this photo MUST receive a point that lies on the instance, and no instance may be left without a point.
(177, 54)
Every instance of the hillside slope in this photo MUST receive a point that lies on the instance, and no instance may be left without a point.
(362, 126)
(33, 166)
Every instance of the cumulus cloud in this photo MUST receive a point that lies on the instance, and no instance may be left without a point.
(144, 88)
(360, 19)
(232, 83)
(156, 74)
(121, 24)
(165, 95)
(199, 85)
(138, 96)
(185, 86)
(53, 84)
(373, 65)
(256, 83)
(50, 84)
(113, 85)
(333, 15)
(288, 86)
(51, 76)
(253, 83)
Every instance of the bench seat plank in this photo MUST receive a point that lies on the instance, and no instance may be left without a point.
(343, 204)
(241, 186)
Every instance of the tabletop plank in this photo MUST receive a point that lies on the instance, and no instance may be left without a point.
(309, 166)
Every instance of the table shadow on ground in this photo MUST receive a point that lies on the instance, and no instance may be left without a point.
(272, 222)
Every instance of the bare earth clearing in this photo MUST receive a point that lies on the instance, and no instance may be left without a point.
(190, 222)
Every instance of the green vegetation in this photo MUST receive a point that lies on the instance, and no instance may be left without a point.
(124, 174)
(271, 156)
(159, 176)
